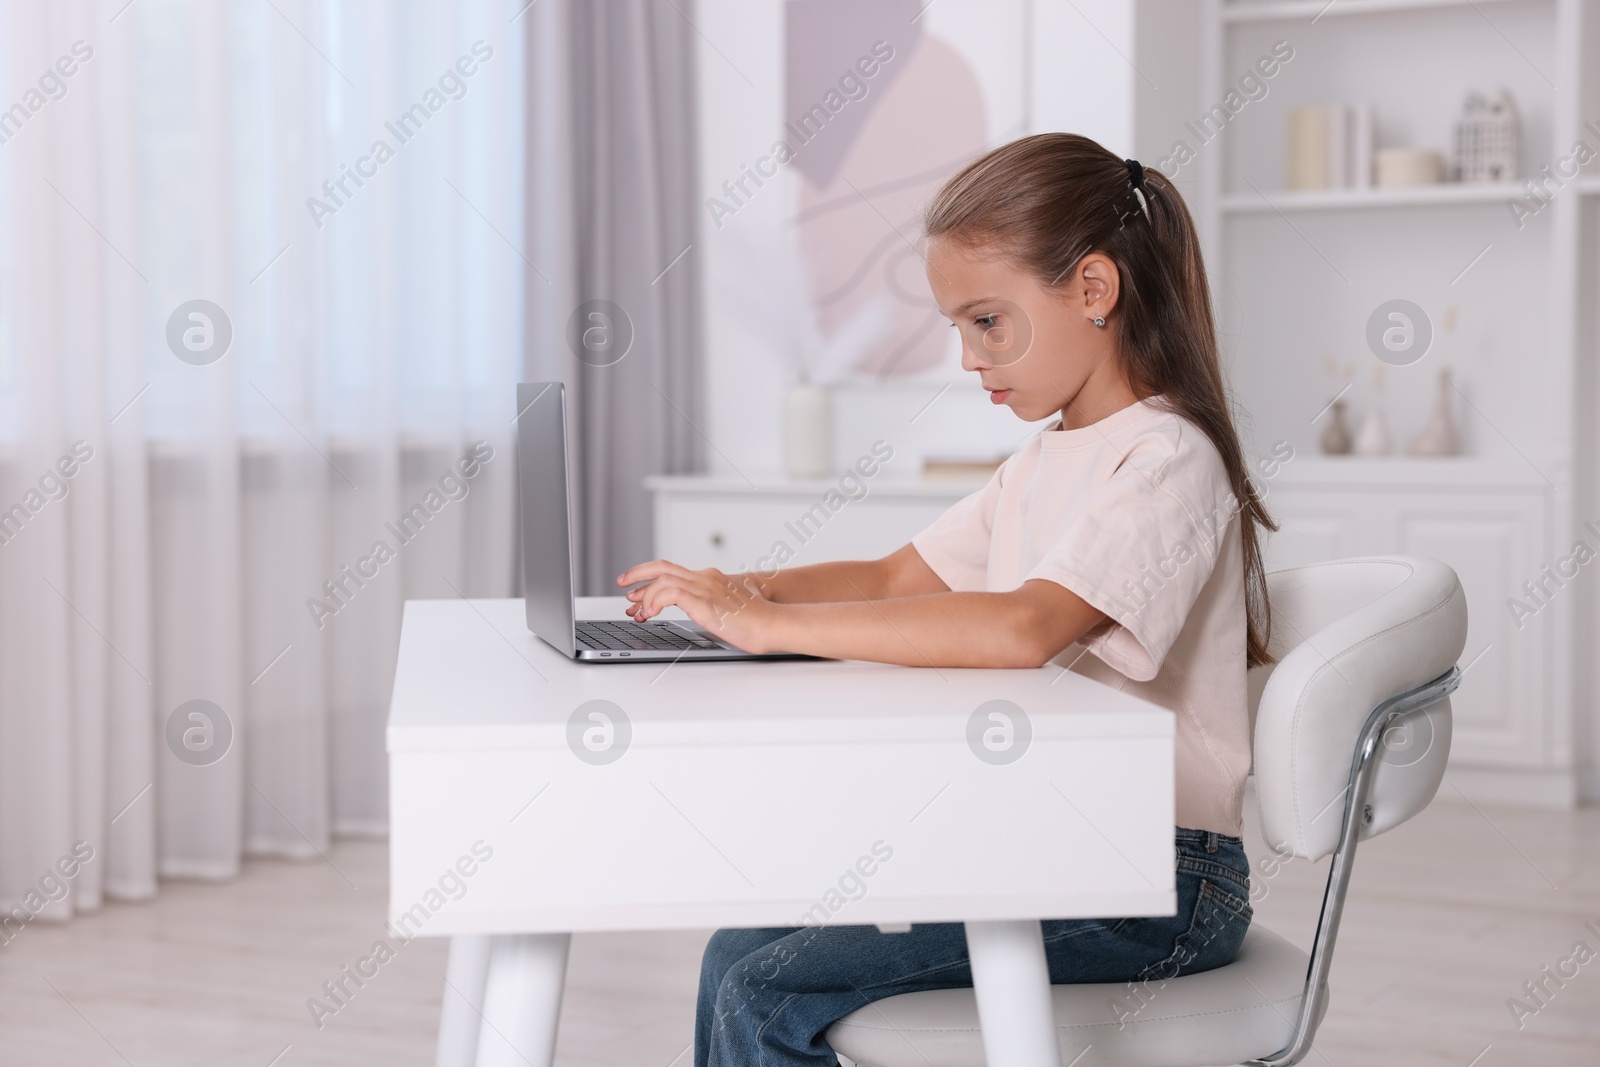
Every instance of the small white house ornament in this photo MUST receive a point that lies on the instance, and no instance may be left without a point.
(1488, 140)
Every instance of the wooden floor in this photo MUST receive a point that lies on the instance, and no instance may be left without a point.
(1448, 917)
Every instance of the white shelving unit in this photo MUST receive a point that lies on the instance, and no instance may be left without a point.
(1295, 276)
(1336, 199)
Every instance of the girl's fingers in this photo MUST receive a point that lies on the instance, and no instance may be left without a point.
(656, 568)
(661, 593)
(667, 584)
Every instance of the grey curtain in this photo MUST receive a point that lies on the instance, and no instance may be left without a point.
(613, 300)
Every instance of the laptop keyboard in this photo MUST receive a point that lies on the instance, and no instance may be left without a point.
(638, 636)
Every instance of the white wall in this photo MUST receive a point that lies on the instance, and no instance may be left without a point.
(1167, 94)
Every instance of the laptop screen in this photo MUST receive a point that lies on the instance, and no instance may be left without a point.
(545, 523)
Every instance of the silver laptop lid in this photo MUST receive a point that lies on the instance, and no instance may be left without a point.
(543, 488)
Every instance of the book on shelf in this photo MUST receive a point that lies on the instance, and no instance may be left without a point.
(1330, 147)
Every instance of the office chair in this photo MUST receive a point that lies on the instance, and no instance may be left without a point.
(1362, 647)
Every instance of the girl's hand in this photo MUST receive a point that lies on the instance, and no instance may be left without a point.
(734, 611)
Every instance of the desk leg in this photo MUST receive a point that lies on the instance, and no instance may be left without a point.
(1012, 984)
(522, 1000)
(464, 978)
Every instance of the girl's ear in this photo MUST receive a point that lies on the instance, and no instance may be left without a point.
(1100, 285)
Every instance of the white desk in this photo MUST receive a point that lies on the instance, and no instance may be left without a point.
(744, 794)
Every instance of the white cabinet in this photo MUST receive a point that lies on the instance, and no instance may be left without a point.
(1491, 524)
(732, 524)
(1501, 710)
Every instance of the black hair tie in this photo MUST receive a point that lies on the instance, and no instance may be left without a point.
(1136, 179)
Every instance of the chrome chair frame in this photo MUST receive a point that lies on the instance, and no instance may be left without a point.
(1357, 813)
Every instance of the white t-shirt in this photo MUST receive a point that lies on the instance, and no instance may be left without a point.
(1126, 513)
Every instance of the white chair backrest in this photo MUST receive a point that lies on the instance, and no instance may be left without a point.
(1346, 636)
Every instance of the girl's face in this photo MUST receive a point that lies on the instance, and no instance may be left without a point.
(1035, 349)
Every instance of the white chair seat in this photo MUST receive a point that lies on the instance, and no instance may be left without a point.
(1227, 1015)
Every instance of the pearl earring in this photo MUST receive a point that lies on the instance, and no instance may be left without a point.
(1099, 320)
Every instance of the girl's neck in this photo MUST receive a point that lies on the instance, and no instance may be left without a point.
(1097, 399)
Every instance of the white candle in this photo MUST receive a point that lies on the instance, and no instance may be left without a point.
(808, 431)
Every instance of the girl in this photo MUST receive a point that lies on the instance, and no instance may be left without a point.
(1119, 542)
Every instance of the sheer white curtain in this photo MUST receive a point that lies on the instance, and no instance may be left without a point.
(180, 523)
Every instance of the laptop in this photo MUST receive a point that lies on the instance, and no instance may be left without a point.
(547, 568)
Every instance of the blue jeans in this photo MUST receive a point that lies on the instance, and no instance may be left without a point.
(768, 996)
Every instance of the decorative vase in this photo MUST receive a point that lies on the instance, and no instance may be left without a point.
(1336, 437)
(1374, 439)
(1439, 437)
(808, 431)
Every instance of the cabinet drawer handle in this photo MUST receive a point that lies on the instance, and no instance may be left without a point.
(716, 540)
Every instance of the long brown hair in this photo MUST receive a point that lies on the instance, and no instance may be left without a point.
(1046, 201)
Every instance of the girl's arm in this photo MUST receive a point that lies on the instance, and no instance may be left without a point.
(1021, 628)
(901, 573)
